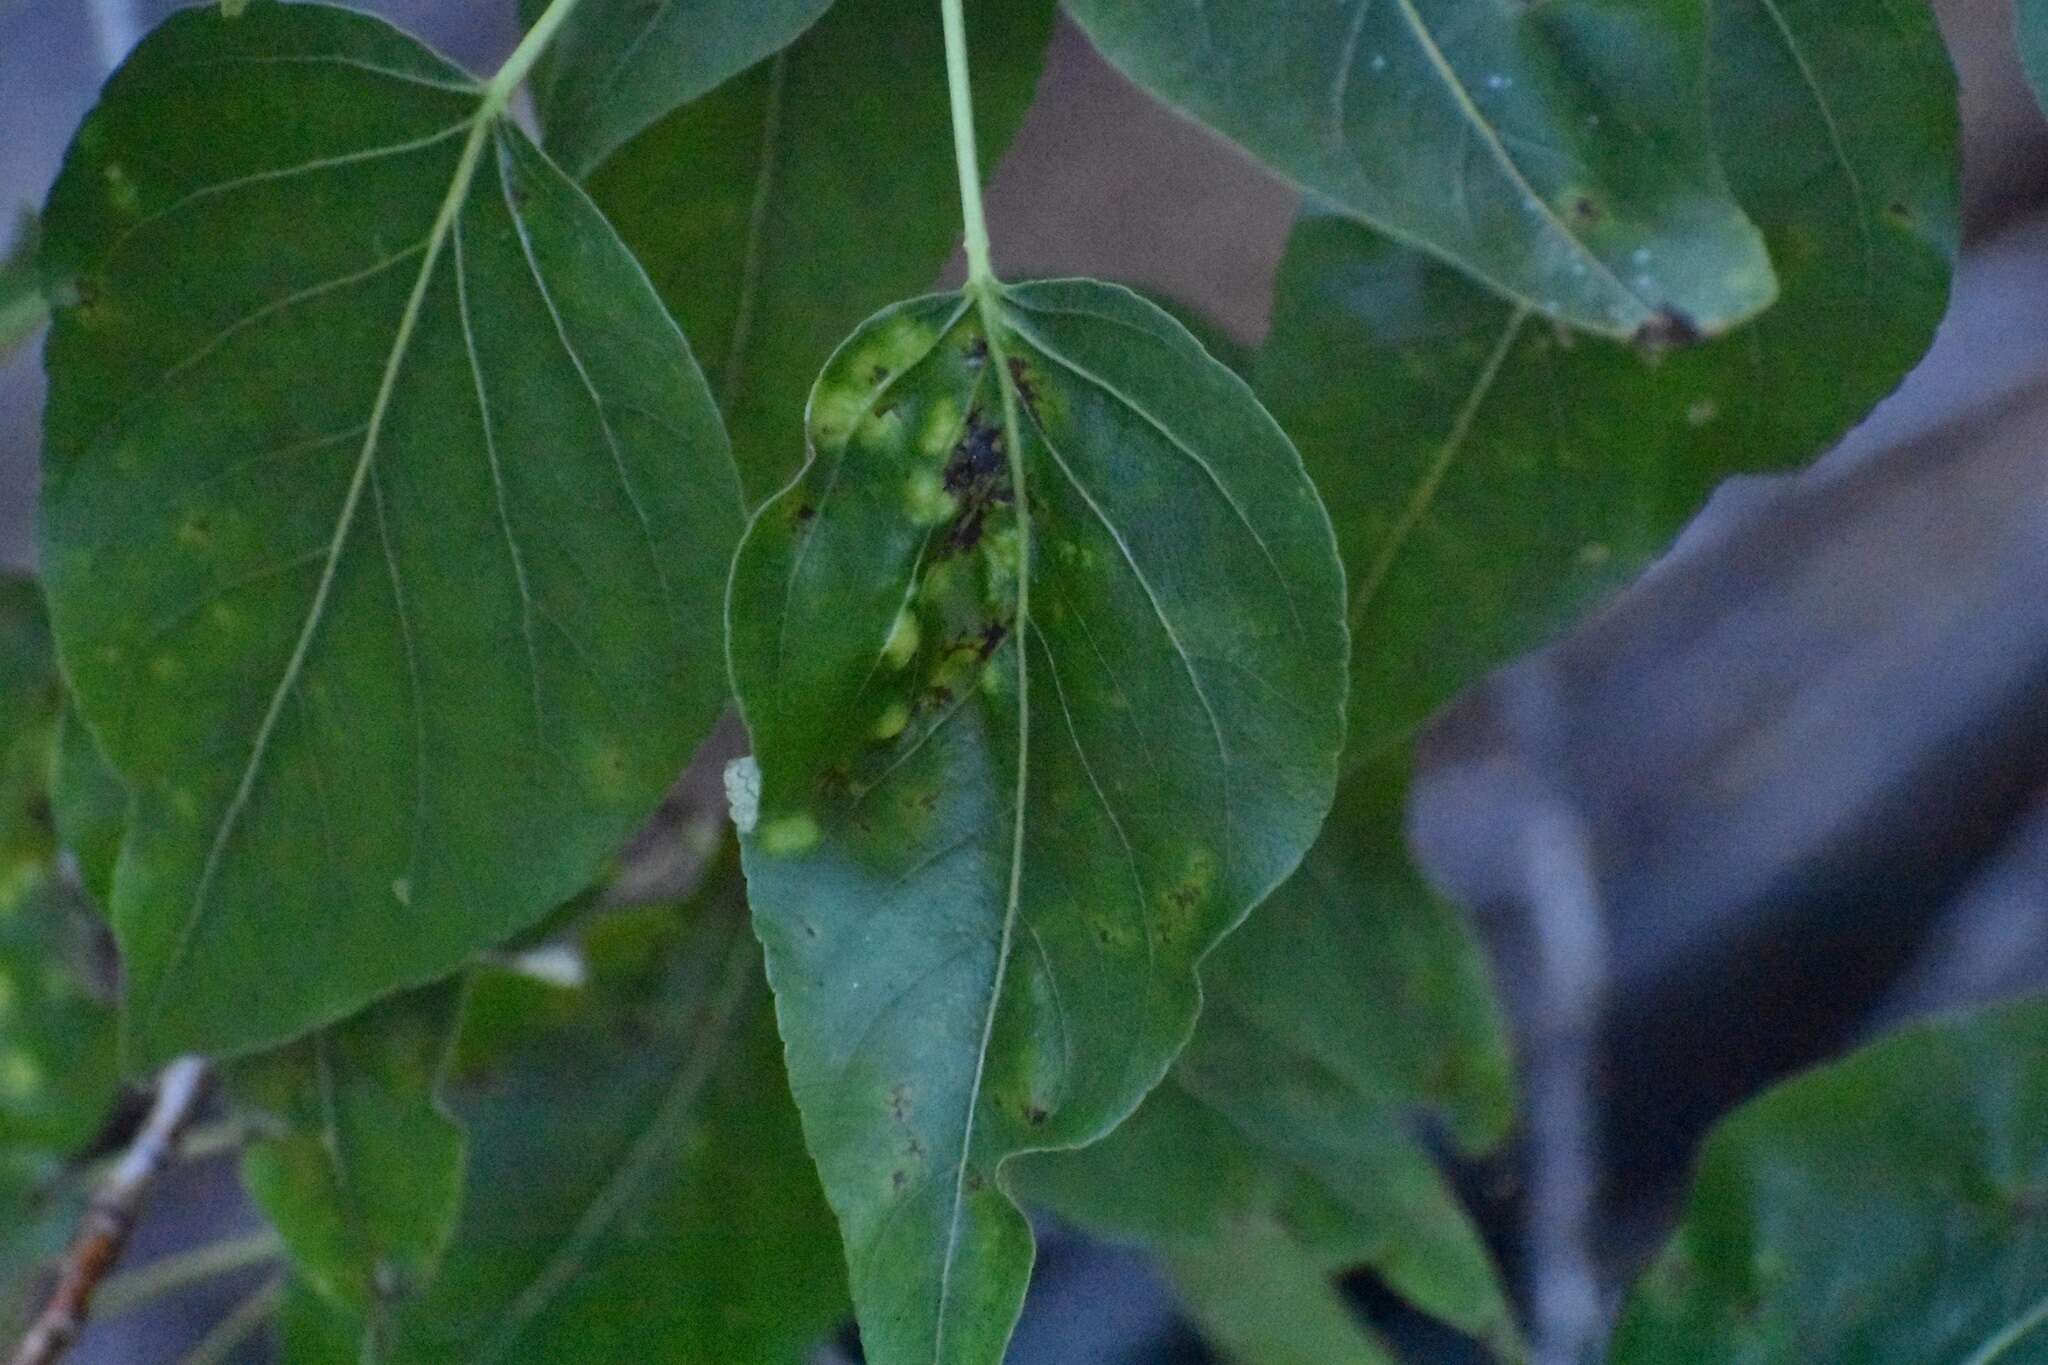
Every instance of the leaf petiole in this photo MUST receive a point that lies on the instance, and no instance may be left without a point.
(980, 273)
(498, 93)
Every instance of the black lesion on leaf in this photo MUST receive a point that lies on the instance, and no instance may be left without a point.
(977, 646)
(977, 353)
(1036, 1115)
(977, 474)
(1667, 330)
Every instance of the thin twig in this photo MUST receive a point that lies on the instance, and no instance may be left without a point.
(1571, 954)
(168, 1274)
(238, 1326)
(110, 1217)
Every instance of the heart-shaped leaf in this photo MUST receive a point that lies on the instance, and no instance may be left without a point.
(779, 172)
(1042, 662)
(1491, 476)
(384, 536)
(1555, 151)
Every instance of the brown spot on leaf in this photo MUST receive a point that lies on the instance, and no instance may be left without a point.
(1026, 384)
(1667, 330)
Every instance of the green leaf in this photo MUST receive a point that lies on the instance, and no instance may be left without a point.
(362, 1174)
(21, 295)
(90, 806)
(384, 535)
(1887, 1208)
(1016, 780)
(618, 66)
(58, 1079)
(1490, 477)
(1554, 151)
(1351, 1003)
(2032, 19)
(1255, 1294)
(639, 1188)
(312, 1330)
(822, 184)
(31, 696)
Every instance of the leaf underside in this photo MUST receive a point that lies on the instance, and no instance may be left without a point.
(1555, 151)
(961, 975)
(1473, 454)
(384, 537)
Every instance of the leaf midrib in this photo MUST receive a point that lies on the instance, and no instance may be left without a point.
(987, 298)
(1469, 109)
(757, 236)
(1425, 492)
(481, 124)
(713, 1033)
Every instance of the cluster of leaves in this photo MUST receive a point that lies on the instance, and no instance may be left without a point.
(400, 550)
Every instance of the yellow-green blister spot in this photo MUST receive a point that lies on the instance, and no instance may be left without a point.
(20, 1077)
(892, 722)
(1002, 554)
(882, 429)
(941, 428)
(904, 638)
(122, 196)
(835, 406)
(897, 347)
(925, 499)
(938, 581)
(789, 835)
